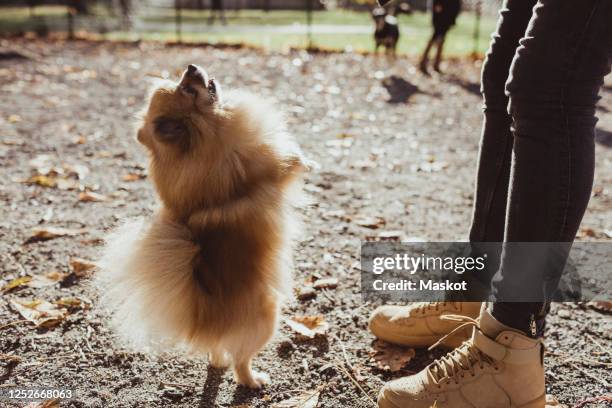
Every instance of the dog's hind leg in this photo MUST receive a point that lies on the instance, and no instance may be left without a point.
(252, 339)
(245, 375)
(219, 358)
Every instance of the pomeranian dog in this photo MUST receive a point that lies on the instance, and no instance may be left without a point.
(210, 269)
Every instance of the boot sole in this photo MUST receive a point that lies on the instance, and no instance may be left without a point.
(539, 403)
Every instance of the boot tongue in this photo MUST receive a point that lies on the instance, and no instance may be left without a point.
(492, 327)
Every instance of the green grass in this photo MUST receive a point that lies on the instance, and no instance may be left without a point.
(259, 17)
(416, 28)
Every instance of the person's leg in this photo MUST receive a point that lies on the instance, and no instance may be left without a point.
(554, 83)
(438, 58)
(425, 57)
(556, 75)
(493, 173)
(419, 325)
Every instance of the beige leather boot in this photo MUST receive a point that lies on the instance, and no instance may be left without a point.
(421, 324)
(497, 367)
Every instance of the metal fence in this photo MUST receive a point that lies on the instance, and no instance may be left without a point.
(137, 16)
(173, 20)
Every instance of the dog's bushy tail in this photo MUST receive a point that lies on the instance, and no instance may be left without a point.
(146, 278)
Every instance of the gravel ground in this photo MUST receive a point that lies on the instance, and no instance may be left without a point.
(391, 143)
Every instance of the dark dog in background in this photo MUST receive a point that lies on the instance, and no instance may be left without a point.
(387, 30)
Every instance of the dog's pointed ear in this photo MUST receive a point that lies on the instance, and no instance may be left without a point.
(172, 131)
(214, 90)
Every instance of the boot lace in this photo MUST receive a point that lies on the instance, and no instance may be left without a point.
(462, 360)
(425, 307)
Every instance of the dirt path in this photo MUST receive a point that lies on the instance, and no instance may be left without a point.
(391, 143)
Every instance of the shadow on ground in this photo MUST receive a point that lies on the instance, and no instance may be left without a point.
(214, 377)
(471, 87)
(422, 358)
(400, 90)
(603, 137)
(244, 396)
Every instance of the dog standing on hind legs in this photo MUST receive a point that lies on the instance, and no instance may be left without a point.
(209, 270)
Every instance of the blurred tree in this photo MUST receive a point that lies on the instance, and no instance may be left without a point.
(80, 6)
(32, 5)
(125, 7)
(217, 10)
(178, 19)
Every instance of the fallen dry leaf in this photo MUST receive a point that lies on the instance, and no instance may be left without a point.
(598, 191)
(12, 142)
(52, 403)
(133, 177)
(40, 312)
(72, 303)
(306, 292)
(67, 184)
(91, 197)
(394, 235)
(14, 118)
(308, 326)
(48, 279)
(45, 234)
(36, 281)
(81, 267)
(601, 305)
(344, 142)
(93, 241)
(42, 180)
(586, 233)
(370, 222)
(430, 167)
(325, 283)
(49, 175)
(306, 399)
(340, 214)
(17, 282)
(551, 401)
(389, 357)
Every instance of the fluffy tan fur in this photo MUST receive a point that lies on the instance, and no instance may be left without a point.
(209, 269)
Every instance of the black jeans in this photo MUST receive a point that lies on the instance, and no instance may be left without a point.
(540, 84)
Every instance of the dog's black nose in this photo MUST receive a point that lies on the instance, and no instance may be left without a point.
(195, 75)
(195, 72)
